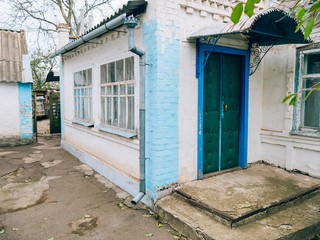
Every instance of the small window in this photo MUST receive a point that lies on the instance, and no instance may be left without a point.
(117, 92)
(83, 95)
(310, 107)
(308, 120)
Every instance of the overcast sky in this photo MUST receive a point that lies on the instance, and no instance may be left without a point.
(30, 26)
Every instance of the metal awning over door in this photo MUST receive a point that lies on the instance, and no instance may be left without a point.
(262, 32)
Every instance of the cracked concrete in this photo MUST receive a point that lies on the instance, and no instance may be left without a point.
(36, 156)
(240, 192)
(54, 195)
(51, 164)
(252, 188)
(15, 196)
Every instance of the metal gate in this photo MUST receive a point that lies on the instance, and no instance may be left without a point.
(55, 119)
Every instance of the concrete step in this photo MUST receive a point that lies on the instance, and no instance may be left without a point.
(251, 215)
(297, 221)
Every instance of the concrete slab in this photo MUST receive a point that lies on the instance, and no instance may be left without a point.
(241, 191)
(298, 222)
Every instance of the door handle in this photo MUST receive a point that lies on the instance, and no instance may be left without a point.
(225, 107)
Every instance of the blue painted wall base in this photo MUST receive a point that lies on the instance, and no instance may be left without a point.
(25, 108)
(161, 101)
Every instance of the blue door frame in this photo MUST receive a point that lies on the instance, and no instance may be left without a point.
(243, 138)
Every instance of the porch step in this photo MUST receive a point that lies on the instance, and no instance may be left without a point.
(252, 215)
(298, 221)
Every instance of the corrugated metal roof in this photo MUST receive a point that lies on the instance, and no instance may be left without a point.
(269, 25)
(12, 46)
(134, 7)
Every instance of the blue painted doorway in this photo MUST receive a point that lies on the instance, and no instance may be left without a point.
(223, 108)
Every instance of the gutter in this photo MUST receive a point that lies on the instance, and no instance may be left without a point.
(131, 22)
(109, 26)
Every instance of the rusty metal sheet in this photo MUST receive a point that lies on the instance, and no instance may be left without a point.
(12, 46)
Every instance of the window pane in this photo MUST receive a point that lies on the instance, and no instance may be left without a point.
(115, 90)
(90, 109)
(122, 122)
(313, 64)
(129, 68)
(131, 113)
(111, 72)
(103, 91)
(130, 89)
(86, 112)
(119, 66)
(103, 110)
(82, 108)
(75, 107)
(103, 73)
(79, 109)
(89, 76)
(123, 89)
(310, 107)
(109, 90)
(75, 79)
(85, 77)
(109, 111)
(115, 111)
(80, 79)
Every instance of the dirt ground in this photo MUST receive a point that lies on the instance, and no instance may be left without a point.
(47, 194)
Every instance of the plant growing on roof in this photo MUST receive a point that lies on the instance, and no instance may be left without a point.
(306, 12)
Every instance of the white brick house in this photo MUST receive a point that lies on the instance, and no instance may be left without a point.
(15, 90)
(136, 110)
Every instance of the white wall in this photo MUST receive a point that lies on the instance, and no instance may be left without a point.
(115, 151)
(9, 110)
(279, 147)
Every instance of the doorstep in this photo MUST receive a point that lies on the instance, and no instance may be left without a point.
(262, 201)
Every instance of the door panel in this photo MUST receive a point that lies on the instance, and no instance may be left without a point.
(221, 105)
(231, 79)
(211, 114)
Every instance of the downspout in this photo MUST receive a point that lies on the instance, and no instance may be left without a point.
(131, 22)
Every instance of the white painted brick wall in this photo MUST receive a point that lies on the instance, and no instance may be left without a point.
(9, 110)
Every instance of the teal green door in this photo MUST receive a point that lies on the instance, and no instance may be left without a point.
(221, 112)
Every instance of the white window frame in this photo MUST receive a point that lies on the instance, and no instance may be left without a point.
(299, 109)
(104, 126)
(88, 99)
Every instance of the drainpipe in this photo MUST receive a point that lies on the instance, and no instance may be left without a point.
(131, 22)
(107, 27)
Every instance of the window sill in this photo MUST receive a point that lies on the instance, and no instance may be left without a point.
(117, 132)
(305, 133)
(86, 124)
